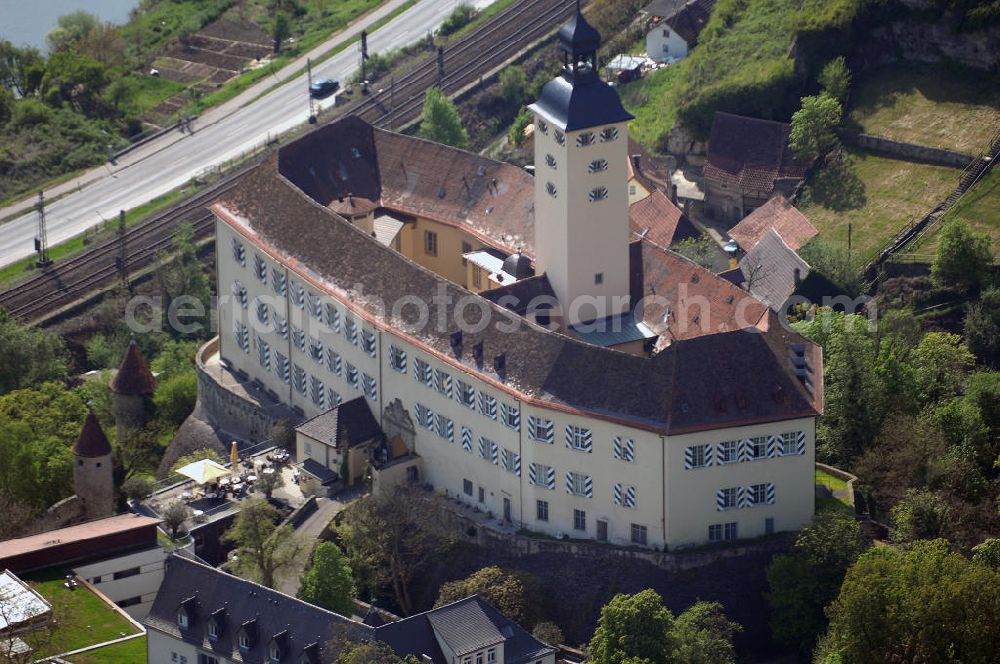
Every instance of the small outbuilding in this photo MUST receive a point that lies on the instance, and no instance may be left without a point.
(337, 444)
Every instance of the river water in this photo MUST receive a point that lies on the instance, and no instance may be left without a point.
(26, 22)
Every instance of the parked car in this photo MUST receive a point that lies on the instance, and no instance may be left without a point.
(323, 87)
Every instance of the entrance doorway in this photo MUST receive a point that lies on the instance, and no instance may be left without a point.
(506, 509)
(602, 530)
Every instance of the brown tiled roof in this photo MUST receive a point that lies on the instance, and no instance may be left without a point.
(652, 172)
(778, 215)
(686, 17)
(92, 441)
(750, 153)
(350, 160)
(133, 377)
(659, 221)
(541, 366)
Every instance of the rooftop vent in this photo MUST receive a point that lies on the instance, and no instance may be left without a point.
(500, 366)
(456, 343)
(356, 152)
(477, 354)
(481, 171)
(729, 300)
(442, 192)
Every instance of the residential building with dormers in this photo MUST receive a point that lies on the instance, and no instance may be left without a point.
(598, 386)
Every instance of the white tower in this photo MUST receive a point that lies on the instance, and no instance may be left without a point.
(581, 197)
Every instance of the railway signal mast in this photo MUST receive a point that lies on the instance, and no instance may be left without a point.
(364, 57)
(309, 82)
(41, 239)
(120, 260)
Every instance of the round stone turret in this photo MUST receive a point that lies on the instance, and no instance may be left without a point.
(93, 481)
(132, 387)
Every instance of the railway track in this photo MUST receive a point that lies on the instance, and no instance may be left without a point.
(465, 61)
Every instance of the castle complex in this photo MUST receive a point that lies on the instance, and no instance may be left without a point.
(539, 358)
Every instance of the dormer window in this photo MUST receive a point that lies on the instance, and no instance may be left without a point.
(598, 194)
(213, 630)
(182, 619)
(274, 651)
(560, 137)
(584, 139)
(550, 189)
(246, 635)
(550, 161)
(609, 134)
(543, 126)
(598, 166)
(184, 613)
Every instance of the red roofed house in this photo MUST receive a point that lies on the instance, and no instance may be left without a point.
(779, 215)
(657, 219)
(748, 161)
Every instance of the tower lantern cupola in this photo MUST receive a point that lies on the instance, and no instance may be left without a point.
(579, 42)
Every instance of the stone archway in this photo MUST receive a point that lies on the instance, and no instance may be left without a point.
(396, 422)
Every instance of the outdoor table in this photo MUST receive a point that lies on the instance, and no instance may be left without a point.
(187, 495)
(269, 471)
(224, 481)
(252, 478)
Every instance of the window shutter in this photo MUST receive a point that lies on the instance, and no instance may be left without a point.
(494, 453)
(588, 441)
(588, 486)
(467, 439)
(630, 497)
(741, 450)
(770, 493)
(629, 450)
(517, 463)
(616, 448)
(532, 476)
(742, 497)
(800, 442)
(772, 446)
(569, 482)
(688, 458)
(709, 450)
(482, 447)
(617, 499)
(550, 478)
(720, 500)
(569, 436)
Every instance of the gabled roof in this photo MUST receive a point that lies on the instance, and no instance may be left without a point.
(750, 153)
(133, 377)
(686, 17)
(652, 172)
(773, 270)
(779, 215)
(350, 422)
(658, 220)
(467, 625)
(541, 366)
(92, 441)
(272, 614)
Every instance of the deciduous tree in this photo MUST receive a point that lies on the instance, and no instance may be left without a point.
(441, 122)
(174, 517)
(328, 581)
(634, 628)
(963, 258)
(835, 79)
(920, 515)
(941, 363)
(814, 127)
(31, 355)
(262, 547)
(516, 594)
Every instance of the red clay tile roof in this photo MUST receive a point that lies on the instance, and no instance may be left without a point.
(133, 377)
(750, 152)
(92, 441)
(659, 221)
(652, 172)
(778, 215)
(541, 366)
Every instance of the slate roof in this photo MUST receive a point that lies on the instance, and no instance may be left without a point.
(269, 612)
(92, 442)
(750, 153)
(134, 377)
(467, 625)
(516, 296)
(686, 17)
(351, 422)
(541, 366)
(777, 214)
(660, 221)
(770, 270)
(577, 103)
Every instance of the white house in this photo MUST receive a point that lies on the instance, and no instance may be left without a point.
(673, 27)
(612, 390)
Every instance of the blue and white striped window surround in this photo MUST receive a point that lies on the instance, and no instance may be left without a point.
(541, 475)
(540, 429)
(579, 438)
(579, 484)
(625, 496)
(623, 449)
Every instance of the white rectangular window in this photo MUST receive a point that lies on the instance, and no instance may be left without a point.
(317, 392)
(260, 268)
(731, 531)
(241, 334)
(697, 456)
(792, 443)
(281, 367)
(729, 451)
(727, 499)
(351, 375)
(299, 378)
(333, 362)
(579, 484)
(264, 354)
(281, 325)
(609, 134)
(351, 331)
(368, 342)
(510, 415)
(623, 449)
(369, 386)
(239, 253)
(445, 427)
(279, 281)
(756, 448)
(424, 416)
(487, 405)
(511, 462)
(579, 438)
(585, 138)
(639, 534)
(314, 306)
(542, 475)
(715, 532)
(422, 371)
(298, 337)
(316, 350)
(542, 510)
(430, 243)
(579, 520)
(397, 359)
(442, 383)
(332, 317)
(240, 293)
(298, 294)
(540, 429)
(465, 393)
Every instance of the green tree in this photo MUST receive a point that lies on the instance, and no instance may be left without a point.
(634, 628)
(513, 85)
(835, 79)
(963, 258)
(548, 632)
(328, 581)
(21, 69)
(74, 79)
(516, 594)
(702, 250)
(982, 327)
(263, 548)
(814, 127)
(186, 286)
(281, 29)
(705, 635)
(390, 538)
(457, 19)
(71, 28)
(988, 553)
(367, 652)
(31, 356)
(515, 135)
(175, 398)
(176, 357)
(268, 482)
(174, 517)
(137, 487)
(441, 122)
(941, 363)
(806, 580)
(917, 604)
(920, 515)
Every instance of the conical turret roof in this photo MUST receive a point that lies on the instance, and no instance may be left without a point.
(92, 441)
(134, 377)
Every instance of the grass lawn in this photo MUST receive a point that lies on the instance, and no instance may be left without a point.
(885, 196)
(938, 105)
(979, 209)
(824, 504)
(652, 119)
(132, 651)
(83, 618)
(829, 481)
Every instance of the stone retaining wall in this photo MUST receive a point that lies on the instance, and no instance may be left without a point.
(910, 151)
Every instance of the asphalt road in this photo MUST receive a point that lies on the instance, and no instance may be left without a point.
(220, 135)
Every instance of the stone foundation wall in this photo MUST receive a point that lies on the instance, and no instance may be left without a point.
(911, 151)
(64, 513)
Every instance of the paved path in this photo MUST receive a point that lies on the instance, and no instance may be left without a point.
(220, 135)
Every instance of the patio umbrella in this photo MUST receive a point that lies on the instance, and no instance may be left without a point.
(204, 471)
(234, 459)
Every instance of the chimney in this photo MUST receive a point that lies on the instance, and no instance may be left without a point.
(477, 354)
(500, 366)
(673, 193)
(456, 343)
(637, 162)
